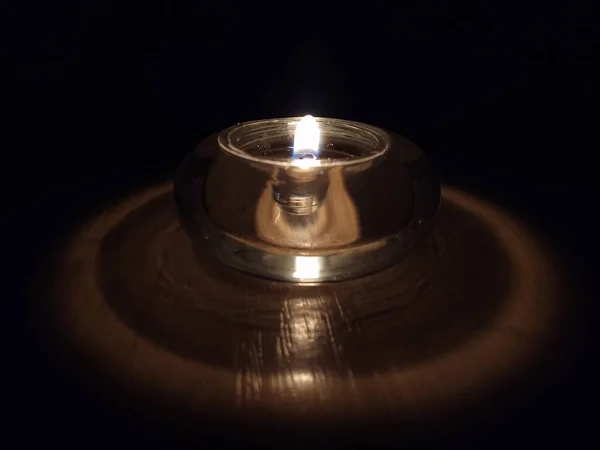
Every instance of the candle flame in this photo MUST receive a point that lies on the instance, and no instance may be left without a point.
(306, 142)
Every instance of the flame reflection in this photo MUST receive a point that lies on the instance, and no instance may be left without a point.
(307, 268)
(300, 341)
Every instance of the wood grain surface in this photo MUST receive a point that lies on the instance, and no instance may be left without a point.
(472, 316)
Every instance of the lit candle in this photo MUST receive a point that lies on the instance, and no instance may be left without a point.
(306, 143)
(307, 199)
(312, 208)
(300, 189)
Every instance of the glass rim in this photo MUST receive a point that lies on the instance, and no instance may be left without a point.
(375, 141)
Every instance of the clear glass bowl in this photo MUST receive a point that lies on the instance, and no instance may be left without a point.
(354, 208)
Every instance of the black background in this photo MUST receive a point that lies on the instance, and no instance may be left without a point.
(108, 96)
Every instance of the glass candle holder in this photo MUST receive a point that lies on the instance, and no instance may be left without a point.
(354, 205)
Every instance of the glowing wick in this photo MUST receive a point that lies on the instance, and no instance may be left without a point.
(306, 142)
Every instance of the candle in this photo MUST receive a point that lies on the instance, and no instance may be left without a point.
(307, 139)
(306, 199)
(301, 188)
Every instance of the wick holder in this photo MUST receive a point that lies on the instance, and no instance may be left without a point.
(300, 192)
(356, 207)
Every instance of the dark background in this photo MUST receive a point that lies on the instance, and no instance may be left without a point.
(107, 96)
